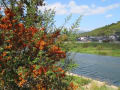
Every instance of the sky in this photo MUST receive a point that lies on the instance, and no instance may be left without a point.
(95, 13)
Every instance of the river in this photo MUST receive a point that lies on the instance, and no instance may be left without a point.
(102, 68)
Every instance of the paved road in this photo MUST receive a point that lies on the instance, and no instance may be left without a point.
(103, 68)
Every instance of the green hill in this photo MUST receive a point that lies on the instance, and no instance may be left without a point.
(106, 30)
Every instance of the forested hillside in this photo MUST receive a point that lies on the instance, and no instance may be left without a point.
(106, 30)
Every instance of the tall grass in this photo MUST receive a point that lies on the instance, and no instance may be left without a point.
(109, 49)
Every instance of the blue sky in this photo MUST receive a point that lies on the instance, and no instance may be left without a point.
(96, 13)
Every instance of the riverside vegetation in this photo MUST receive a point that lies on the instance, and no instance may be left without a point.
(84, 83)
(107, 49)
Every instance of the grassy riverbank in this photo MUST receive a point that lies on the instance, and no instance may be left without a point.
(84, 83)
(107, 49)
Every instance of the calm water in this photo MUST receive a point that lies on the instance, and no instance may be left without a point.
(103, 68)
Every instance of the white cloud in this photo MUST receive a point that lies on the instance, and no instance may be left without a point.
(109, 16)
(87, 10)
(72, 7)
(58, 7)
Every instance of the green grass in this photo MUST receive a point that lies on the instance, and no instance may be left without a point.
(79, 81)
(107, 49)
(92, 85)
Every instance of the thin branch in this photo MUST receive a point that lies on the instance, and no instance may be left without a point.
(4, 4)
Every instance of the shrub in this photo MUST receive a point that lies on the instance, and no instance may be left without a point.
(99, 47)
(28, 50)
(85, 45)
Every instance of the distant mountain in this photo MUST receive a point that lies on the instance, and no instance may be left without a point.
(104, 31)
(80, 31)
